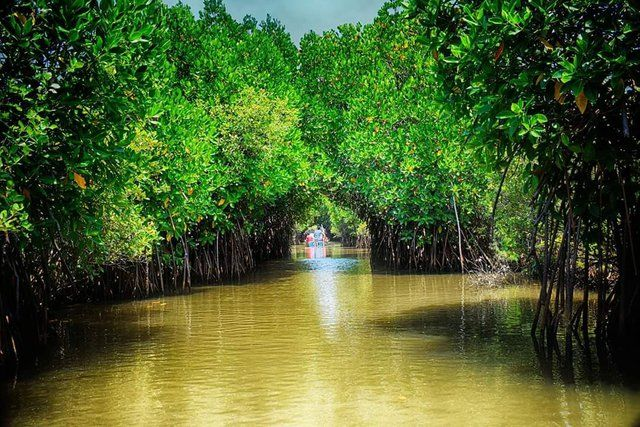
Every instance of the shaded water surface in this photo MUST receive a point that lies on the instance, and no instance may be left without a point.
(318, 339)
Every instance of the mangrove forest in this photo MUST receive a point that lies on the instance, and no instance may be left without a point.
(350, 221)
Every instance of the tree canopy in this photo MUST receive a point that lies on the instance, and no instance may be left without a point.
(143, 149)
(555, 84)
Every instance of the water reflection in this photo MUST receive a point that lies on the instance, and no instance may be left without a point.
(327, 299)
(316, 252)
(316, 341)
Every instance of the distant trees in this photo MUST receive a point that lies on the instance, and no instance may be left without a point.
(390, 149)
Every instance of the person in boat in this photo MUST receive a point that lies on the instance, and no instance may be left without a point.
(318, 236)
(309, 239)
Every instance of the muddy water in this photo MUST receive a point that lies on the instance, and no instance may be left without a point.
(318, 339)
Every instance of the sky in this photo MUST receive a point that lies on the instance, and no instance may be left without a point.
(301, 16)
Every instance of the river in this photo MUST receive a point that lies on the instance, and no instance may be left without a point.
(316, 339)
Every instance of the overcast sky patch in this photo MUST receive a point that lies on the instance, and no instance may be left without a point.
(300, 16)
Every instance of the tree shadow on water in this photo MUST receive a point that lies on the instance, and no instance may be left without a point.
(107, 336)
(496, 333)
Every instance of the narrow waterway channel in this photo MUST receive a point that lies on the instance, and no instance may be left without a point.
(319, 339)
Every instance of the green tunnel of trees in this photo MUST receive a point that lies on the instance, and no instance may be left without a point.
(143, 150)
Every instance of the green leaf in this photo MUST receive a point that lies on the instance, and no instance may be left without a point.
(540, 118)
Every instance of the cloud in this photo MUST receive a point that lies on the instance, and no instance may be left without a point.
(301, 16)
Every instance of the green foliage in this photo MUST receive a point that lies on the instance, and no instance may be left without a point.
(554, 85)
(127, 233)
(344, 224)
(513, 218)
(71, 83)
(260, 141)
(127, 123)
(136, 121)
(387, 147)
(131, 131)
(340, 223)
(551, 82)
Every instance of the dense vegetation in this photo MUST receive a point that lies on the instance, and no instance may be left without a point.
(143, 150)
(390, 150)
(554, 85)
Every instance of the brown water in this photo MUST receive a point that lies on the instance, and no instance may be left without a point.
(316, 341)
